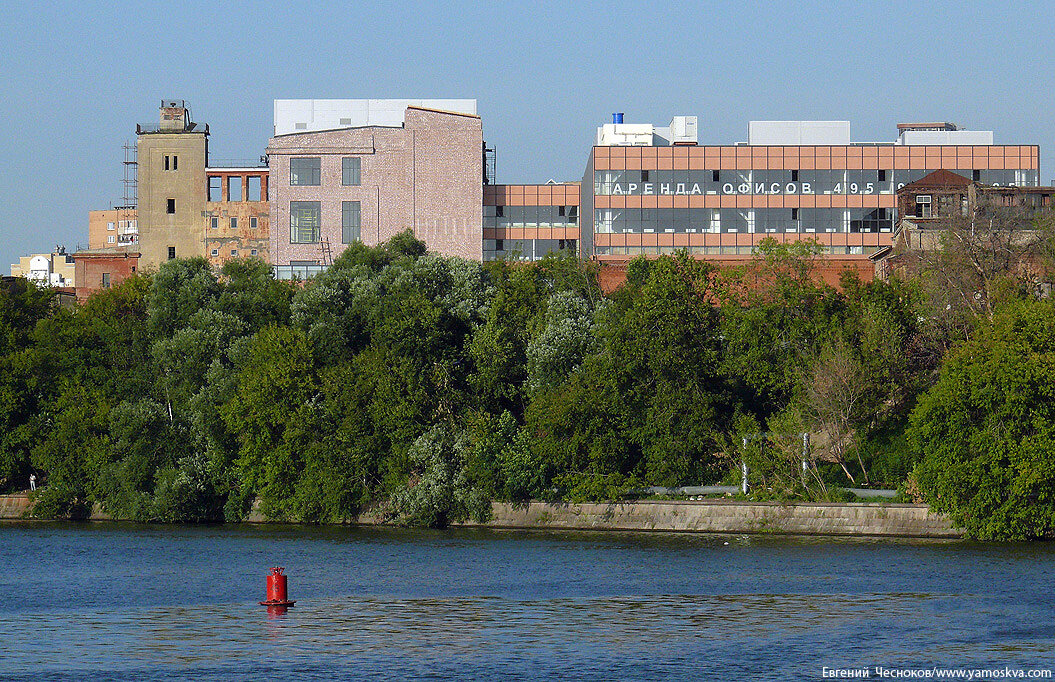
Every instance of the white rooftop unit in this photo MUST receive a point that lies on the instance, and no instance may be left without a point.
(682, 130)
(307, 115)
(792, 133)
(945, 137)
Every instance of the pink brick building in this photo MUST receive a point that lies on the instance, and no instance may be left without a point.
(329, 188)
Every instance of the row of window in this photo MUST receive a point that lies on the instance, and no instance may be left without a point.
(305, 222)
(525, 249)
(752, 220)
(214, 223)
(307, 170)
(785, 182)
(518, 216)
(744, 250)
(253, 188)
(234, 252)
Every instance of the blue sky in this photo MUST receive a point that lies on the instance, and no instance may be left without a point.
(77, 77)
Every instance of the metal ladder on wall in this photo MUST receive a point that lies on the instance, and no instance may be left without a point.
(327, 252)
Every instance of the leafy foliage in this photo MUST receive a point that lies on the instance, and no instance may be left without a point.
(422, 387)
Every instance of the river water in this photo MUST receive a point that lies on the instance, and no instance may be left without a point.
(134, 602)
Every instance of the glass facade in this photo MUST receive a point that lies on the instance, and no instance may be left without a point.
(722, 201)
(534, 227)
(780, 182)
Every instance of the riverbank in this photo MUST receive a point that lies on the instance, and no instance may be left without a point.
(687, 516)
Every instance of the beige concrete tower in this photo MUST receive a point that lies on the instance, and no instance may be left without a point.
(171, 186)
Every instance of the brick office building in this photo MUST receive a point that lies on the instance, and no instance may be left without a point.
(372, 176)
(653, 190)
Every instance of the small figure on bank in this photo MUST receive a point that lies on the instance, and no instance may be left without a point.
(32, 481)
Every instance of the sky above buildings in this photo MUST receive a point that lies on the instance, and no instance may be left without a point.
(79, 76)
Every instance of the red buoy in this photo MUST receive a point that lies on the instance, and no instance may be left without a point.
(276, 589)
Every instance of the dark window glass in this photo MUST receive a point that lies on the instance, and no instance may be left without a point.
(350, 221)
(350, 170)
(304, 222)
(234, 223)
(106, 280)
(171, 207)
(172, 252)
(305, 171)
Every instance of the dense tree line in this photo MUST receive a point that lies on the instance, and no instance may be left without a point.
(421, 388)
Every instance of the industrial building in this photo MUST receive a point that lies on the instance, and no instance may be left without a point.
(364, 170)
(341, 171)
(649, 190)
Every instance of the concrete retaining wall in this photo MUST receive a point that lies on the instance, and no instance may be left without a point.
(14, 506)
(721, 516)
(707, 516)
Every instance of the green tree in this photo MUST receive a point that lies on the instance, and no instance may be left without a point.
(984, 433)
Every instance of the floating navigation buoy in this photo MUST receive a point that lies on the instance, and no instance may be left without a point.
(276, 589)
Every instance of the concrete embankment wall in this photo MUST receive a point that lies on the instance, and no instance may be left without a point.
(707, 516)
(721, 516)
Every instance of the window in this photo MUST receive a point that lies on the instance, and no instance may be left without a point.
(172, 252)
(234, 188)
(794, 176)
(216, 252)
(350, 221)
(175, 162)
(253, 188)
(561, 210)
(304, 222)
(234, 252)
(346, 122)
(644, 176)
(923, 206)
(234, 223)
(214, 223)
(794, 214)
(110, 239)
(350, 167)
(252, 252)
(500, 245)
(715, 175)
(976, 175)
(106, 280)
(252, 223)
(215, 188)
(171, 206)
(109, 226)
(171, 162)
(305, 171)
(499, 211)
(166, 161)
(882, 176)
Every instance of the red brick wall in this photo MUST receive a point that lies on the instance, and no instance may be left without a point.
(828, 270)
(90, 269)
